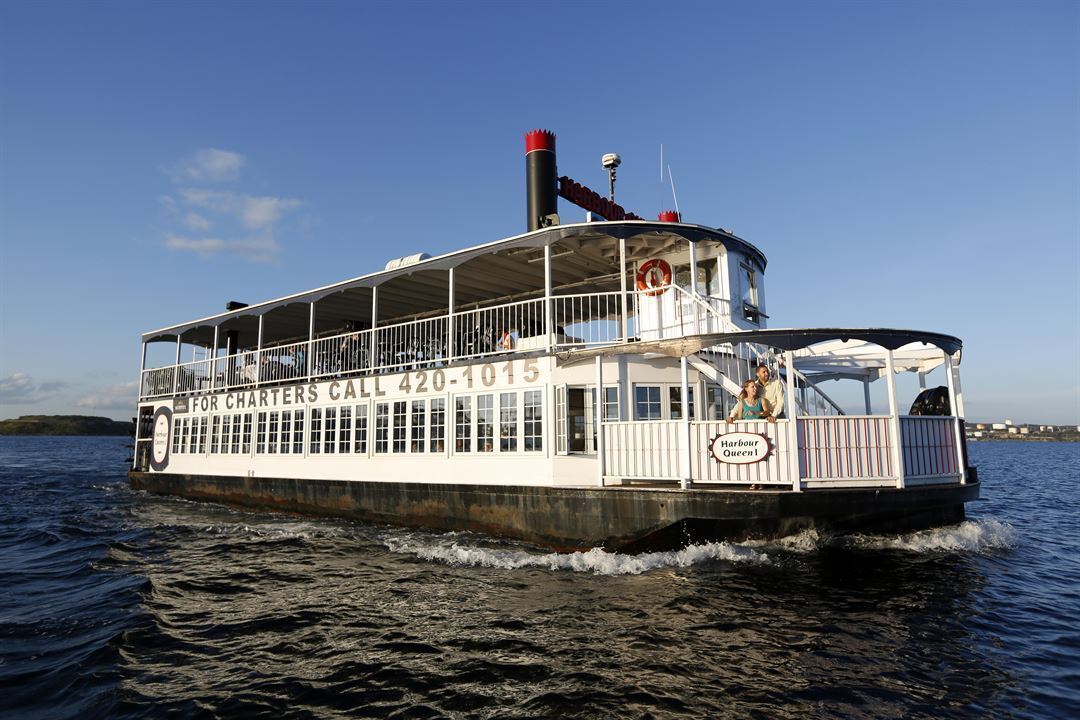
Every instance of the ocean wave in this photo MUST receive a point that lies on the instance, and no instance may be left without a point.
(971, 536)
(596, 561)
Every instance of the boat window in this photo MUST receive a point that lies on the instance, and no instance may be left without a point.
(508, 420)
(534, 413)
(260, 436)
(560, 420)
(178, 428)
(485, 423)
(237, 428)
(329, 430)
(463, 424)
(382, 428)
(419, 412)
(438, 425)
(315, 441)
(675, 402)
(203, 424)
(360, 440)
(272, 433)
(647, 402)
(215, 435)
(751, 305)
(344, 429)
(611, 404)
(298, 432)
(718, 406)
(400, 419)
(226, 433)
(286, 431)
(246, 447)
(706, 277)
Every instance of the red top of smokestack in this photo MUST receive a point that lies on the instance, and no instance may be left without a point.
(669, 216)
(539, 140)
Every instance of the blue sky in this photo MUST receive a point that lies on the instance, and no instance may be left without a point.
(907, 164)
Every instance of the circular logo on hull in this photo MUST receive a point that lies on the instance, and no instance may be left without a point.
(159, 443)
(740, 448)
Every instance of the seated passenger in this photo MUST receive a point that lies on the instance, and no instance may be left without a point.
(750, 406)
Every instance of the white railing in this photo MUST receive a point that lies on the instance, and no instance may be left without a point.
(846, 447)
(578, 320)
(643, 450)
(846, 451)
(929, 447)
(193, 376)
(499, 329)
(592, 319)
(773, 470)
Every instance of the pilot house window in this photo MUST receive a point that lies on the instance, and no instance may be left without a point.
(750, 300)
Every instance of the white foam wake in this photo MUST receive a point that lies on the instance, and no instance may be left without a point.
(596, 561)
(973, 536)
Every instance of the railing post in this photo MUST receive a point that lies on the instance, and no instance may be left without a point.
(684, 401)
(950, 376)
(622, 291)
(374, 324)
(599, 407)
(310, 349)
(793, 420)
(213, 359)
(258, 353)
(176, 367)
(450, 320)
(693, 284)
(549, 321)
(894, 418)
(142, 371)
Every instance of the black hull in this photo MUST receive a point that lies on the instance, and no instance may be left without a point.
(627, 519)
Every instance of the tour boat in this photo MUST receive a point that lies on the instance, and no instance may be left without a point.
(570, 386)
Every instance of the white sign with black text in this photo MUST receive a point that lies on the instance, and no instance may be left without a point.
(740, 448)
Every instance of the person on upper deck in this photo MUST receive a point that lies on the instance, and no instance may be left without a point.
(771, 390)
(751, 406)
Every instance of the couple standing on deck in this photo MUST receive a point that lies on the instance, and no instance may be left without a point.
(761, 399)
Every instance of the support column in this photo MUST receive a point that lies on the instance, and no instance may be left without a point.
(450, 324)
(310, 340)
(142, 371)
(954, 406)
(693, 285)
(176, 366)
(622, 291)
(687, 452)
(922, 380)
(213, 359)
(549, 320)
(258, 353)
(894, 419)
(599, 421)
(866, 395)
(793, 421)
(374, 324)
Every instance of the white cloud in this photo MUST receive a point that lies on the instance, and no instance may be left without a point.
(255, 212)
(203, 246)
(114, 397)
(254, 249)
(197, 222)
(21, 389)
(209, 165)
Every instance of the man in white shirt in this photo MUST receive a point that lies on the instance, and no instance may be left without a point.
(771, 390)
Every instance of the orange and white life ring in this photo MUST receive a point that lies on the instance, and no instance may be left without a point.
(653, 277)
(507, 342)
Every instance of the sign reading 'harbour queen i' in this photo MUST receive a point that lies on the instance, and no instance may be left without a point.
(740, 448)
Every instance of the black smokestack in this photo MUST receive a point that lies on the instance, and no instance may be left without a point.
(541, 178)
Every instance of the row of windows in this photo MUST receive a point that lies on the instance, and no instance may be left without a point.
(505, 422)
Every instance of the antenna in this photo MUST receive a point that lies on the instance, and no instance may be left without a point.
(673, 196)
(660, 189)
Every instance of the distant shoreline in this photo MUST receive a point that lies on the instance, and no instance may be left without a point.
(65, 425)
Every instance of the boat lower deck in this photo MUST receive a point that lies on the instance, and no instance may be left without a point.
(629, 518)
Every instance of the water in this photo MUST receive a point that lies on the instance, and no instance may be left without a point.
(118, 604)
